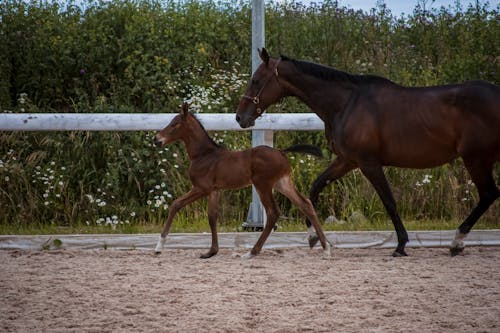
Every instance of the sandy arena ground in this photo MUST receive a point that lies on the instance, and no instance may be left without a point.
(292, 290)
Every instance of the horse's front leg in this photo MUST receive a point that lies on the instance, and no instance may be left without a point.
(336, 170)
(212, 220)
(375, 174)
(193, 195)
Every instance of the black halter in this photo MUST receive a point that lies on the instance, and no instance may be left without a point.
(256, 99)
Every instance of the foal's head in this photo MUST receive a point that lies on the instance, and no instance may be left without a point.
(263, 90)
(177, 129)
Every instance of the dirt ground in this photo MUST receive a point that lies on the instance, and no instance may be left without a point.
(291, 290)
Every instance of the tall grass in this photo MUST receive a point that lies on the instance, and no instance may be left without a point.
(148, 56)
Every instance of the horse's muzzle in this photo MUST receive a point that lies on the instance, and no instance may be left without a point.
(245, 122)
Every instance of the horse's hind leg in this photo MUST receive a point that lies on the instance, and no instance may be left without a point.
(212, 220)
(285, 186)
(482, 176)
(272, 212)
(336, 170)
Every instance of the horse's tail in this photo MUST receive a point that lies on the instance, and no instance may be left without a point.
(305, 149)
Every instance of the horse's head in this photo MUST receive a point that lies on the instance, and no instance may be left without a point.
(175, 130)
(263, 90)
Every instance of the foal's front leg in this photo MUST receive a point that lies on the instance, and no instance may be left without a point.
(212, 220)
(193, 195)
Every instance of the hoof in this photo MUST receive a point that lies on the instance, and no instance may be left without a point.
(455, 251)
(313, 240)
(327, 251)
(248, 255)
(207, 255)
(398, 254)
(326, 255)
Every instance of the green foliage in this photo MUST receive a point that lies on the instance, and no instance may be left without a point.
(148, 56)
(51, 244)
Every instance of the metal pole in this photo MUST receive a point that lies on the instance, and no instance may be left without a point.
(258, 36)
(256, 215)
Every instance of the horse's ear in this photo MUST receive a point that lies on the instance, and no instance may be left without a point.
(184, 110)
(264, 55)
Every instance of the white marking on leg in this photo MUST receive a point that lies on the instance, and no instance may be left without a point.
(312, 237)
(311, 231)
(247, 255)
(458, 242)
(327, 251)
(160, 244)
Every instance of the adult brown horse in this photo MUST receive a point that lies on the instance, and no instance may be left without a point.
(214, 168)
(371, 122)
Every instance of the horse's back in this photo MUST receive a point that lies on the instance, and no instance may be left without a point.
(481, 98)
(424, 127)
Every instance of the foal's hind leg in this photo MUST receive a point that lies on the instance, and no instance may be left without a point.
(212, 220)
(285, 186)
(272, 212)
(481, 174)
(336, 170)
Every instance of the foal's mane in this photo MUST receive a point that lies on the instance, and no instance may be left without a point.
(331, 74)
(205, 131)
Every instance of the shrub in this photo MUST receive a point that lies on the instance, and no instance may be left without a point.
(148, 56)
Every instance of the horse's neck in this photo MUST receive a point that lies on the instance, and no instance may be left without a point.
(320, 95)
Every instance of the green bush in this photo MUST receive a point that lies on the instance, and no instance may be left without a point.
(148, 56)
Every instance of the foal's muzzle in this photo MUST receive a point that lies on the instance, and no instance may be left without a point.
(157, 143)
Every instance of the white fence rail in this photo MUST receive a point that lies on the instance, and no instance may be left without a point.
(263, 130)
(149, 121)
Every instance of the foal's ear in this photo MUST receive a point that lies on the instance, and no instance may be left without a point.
(264, 55)
(185, 110)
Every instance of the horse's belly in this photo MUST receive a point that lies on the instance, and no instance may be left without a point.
(425, 144)
(418, 158)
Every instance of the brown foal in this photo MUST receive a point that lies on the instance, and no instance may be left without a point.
(215, 168)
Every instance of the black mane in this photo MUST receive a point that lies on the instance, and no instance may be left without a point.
(331, 74)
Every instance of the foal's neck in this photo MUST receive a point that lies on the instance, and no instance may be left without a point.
(198, 143)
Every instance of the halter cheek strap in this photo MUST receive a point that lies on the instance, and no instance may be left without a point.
(256, 99)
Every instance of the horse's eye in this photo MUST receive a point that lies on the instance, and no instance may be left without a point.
(255, 82)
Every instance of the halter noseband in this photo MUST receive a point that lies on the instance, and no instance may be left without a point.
(256, 99)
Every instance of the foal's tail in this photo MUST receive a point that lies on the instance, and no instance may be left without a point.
(305, 149)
